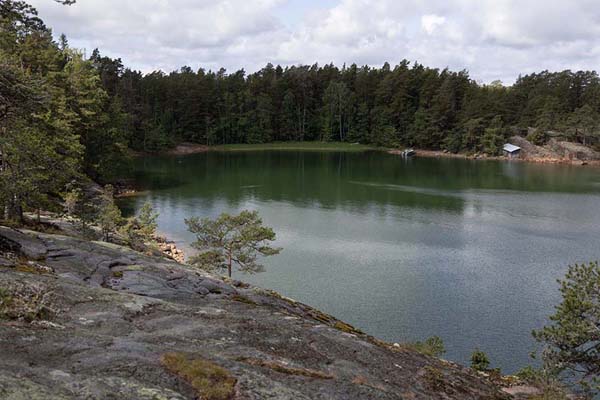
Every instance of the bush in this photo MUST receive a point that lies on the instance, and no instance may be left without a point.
(479, 361)
(538, 137)
(433, 346)
(141, 229)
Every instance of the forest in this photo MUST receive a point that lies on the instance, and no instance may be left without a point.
(64, 115)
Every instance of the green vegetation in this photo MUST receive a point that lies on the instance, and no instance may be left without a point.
(304, 146)
(433, 346)
(210, 381)
(572, 340)
(141, 229)
(479, 361)
(230, 240)
(57, 122)
(544, 380)
(109, 215)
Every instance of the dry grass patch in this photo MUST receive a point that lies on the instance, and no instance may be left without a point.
(243, 299)
(209, 380)
(25, 302)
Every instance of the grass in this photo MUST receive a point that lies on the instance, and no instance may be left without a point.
(304, 146)
(25, 302)
(210, 381)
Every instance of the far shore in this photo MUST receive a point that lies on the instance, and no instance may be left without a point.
(528, 159)
(188, 148)
(194, 148)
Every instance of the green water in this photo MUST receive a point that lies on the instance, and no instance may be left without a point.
(403, 249)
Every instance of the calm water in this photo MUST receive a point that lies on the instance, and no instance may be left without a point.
(403, 249)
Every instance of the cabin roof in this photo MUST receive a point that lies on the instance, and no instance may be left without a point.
(511, 148)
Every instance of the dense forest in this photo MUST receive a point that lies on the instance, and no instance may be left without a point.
(64, 116)
(408, 104)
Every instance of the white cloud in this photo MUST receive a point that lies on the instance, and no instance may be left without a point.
(494, 39)
(431, 22)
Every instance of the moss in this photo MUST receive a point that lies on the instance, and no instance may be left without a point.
(133, 268)
(117, 274)
(321, 317)
(344, 327)
(210, 381)
(30, 268)
(243, 299)
(284, 369)
(26, 268)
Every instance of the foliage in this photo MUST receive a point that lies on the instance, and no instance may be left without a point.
(141, 229)
(230, 240)
(71, 200)
(572, 340)
(433, 346)
(584, 123)
(109, 216)
(210, 381)
(544, 380)
(80, 202)
(538, 137)
(479, 361)
(55, 114)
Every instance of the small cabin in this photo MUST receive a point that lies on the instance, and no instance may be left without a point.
(511, 151)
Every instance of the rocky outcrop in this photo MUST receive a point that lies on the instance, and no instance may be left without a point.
(119, 324)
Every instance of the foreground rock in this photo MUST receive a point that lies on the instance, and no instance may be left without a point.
(90, 320)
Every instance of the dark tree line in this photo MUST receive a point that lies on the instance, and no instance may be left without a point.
(408, 104)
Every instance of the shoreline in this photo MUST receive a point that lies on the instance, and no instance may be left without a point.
(534, 160)
(188, 148)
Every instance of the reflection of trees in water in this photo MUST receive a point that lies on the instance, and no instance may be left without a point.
(357, 181)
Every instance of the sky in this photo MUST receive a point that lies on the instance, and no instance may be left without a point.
(492, 39)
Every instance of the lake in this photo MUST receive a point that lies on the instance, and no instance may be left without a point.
(402, 249)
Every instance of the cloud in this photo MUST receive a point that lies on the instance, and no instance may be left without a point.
(493, 39)
(431, 22)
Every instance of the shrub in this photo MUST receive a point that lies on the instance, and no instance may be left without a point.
(479, 361)
(433, 346)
